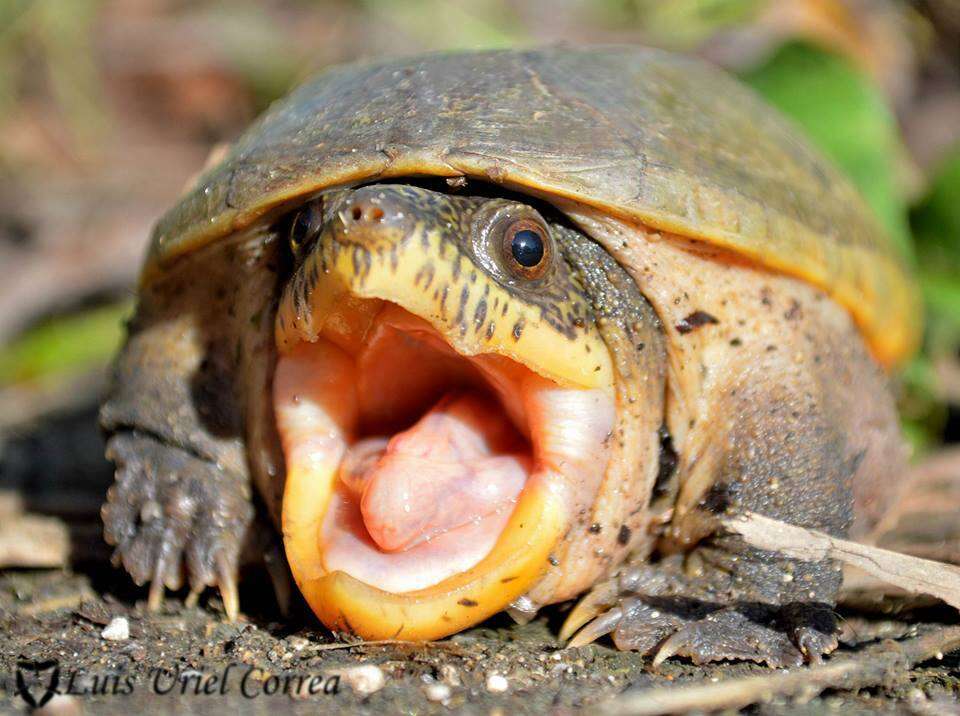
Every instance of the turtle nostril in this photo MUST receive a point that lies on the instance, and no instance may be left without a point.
(372, 216)
(365, 213)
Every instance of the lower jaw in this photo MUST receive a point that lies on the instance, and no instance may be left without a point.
(514, 564)
(431, 590)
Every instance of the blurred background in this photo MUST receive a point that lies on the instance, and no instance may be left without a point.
(107, 108)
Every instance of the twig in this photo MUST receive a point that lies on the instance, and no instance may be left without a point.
(350, 645)
(873, 666)
(913, 574)
(450, 646)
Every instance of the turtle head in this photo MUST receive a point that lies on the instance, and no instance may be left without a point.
(488, 274)
(445, 400)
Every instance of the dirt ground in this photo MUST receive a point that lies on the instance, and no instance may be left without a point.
(189, 659)
(169, 657)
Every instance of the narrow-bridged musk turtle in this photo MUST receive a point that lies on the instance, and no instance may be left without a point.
(490, 330)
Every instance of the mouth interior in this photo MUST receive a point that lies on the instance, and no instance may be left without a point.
(433, 449)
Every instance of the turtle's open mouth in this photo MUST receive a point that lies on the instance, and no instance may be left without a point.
(430, 464)
(431, 470)
(422, 455)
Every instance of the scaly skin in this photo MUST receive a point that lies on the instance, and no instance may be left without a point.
(772, 404)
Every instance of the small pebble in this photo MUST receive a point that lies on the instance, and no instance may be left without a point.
(136, 651)
(364, 679)
(117, 630)
(298, 643)
(449, 675)
(438, 693)
(497, 684)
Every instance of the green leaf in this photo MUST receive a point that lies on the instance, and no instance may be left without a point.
(936, 223)
(847, 117)
(941, 291)
(922, 414)
(936, 220)
(65, 345)
(443, 25)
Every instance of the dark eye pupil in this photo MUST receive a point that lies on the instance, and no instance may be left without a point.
(527, 248)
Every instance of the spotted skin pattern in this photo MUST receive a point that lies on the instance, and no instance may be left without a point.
(443, 258)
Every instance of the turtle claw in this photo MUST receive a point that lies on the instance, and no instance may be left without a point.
(601, 598)
(193, 596)
(167, 571)
(601, 626)
(155, 596)
(671, 647)
(813, 644)
(813, 630)
(171, 514)
(227, 585)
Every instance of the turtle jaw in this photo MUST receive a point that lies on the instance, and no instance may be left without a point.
(328, 400)
(346, 604)
(330, 553)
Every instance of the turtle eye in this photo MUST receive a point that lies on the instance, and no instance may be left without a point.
(525, 247)
(305, 226)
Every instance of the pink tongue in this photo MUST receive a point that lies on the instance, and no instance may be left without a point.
(462, 461)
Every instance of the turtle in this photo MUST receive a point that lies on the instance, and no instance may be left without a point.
(486, 331)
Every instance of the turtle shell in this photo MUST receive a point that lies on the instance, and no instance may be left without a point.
(642, 134)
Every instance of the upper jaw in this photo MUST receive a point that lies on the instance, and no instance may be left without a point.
(418, 265)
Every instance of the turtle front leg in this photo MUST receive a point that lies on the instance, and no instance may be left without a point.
(189, 425)
(648, 608)
(791, 447)
(663, 610)
(170, 514)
